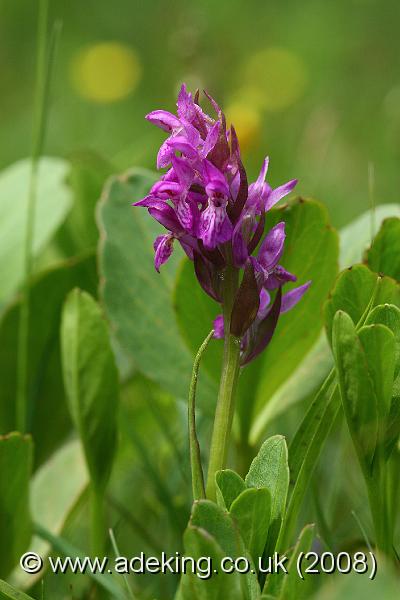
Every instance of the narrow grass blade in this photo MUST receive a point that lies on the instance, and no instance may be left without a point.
(117, 553)
(9, 593)
(64, 548)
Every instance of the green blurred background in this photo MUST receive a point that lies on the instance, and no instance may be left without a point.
(314, 84)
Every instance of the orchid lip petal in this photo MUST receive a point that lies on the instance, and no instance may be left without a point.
(163, 247)
(164, 155)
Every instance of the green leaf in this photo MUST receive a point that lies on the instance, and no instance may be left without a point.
(293, 587)
(303, 382)
(379, 346)
(53, 204)
(8, 592)
(91, 382)
(311, 252)
(389, 315)
(137, 299)
(87, 175)
(365, 366)
(53, 497)
(219, 525)
(252, 513)
(270, 470)
(384, 254)
(353, 291)
(199, 544)
(229, 485)
(48, 426)
(15, 519)
(195, 312)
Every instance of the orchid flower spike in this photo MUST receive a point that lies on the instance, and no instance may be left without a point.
(205, 204)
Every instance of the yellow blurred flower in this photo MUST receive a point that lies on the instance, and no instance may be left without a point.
(274, 78)
(105, 72)
(246, 119)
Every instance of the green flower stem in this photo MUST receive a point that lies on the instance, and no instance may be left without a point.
(98, 522)
(195, 457)
(226, 396)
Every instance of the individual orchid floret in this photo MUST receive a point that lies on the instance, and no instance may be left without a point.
(261, 196)
(205, 203)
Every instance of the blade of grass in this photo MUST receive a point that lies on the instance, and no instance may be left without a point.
(63, 547)
(135, 524)
(117, 553)
(44, 64)
(362, 529)
(9, 593)
(371, 196)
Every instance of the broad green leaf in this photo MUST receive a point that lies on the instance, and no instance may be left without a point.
(8, 592)
(219, 525)
(137, 299)
(229, 486)
(270, 470)
(311, 252)
(252, 513)
(389, 315)
(15, 519)
(353, 291)
(365, 366)
(53, 204)
(293, 587)
(48, 426)
(79, 232)
(195, 312)
(384, 254)
(204, 548)
(53, 497)
(379, 346)
(91, 382)
(305, 380)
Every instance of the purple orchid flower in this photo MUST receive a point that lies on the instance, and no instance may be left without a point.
(205, 203)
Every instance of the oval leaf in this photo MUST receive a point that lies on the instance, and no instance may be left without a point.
(91, 381)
